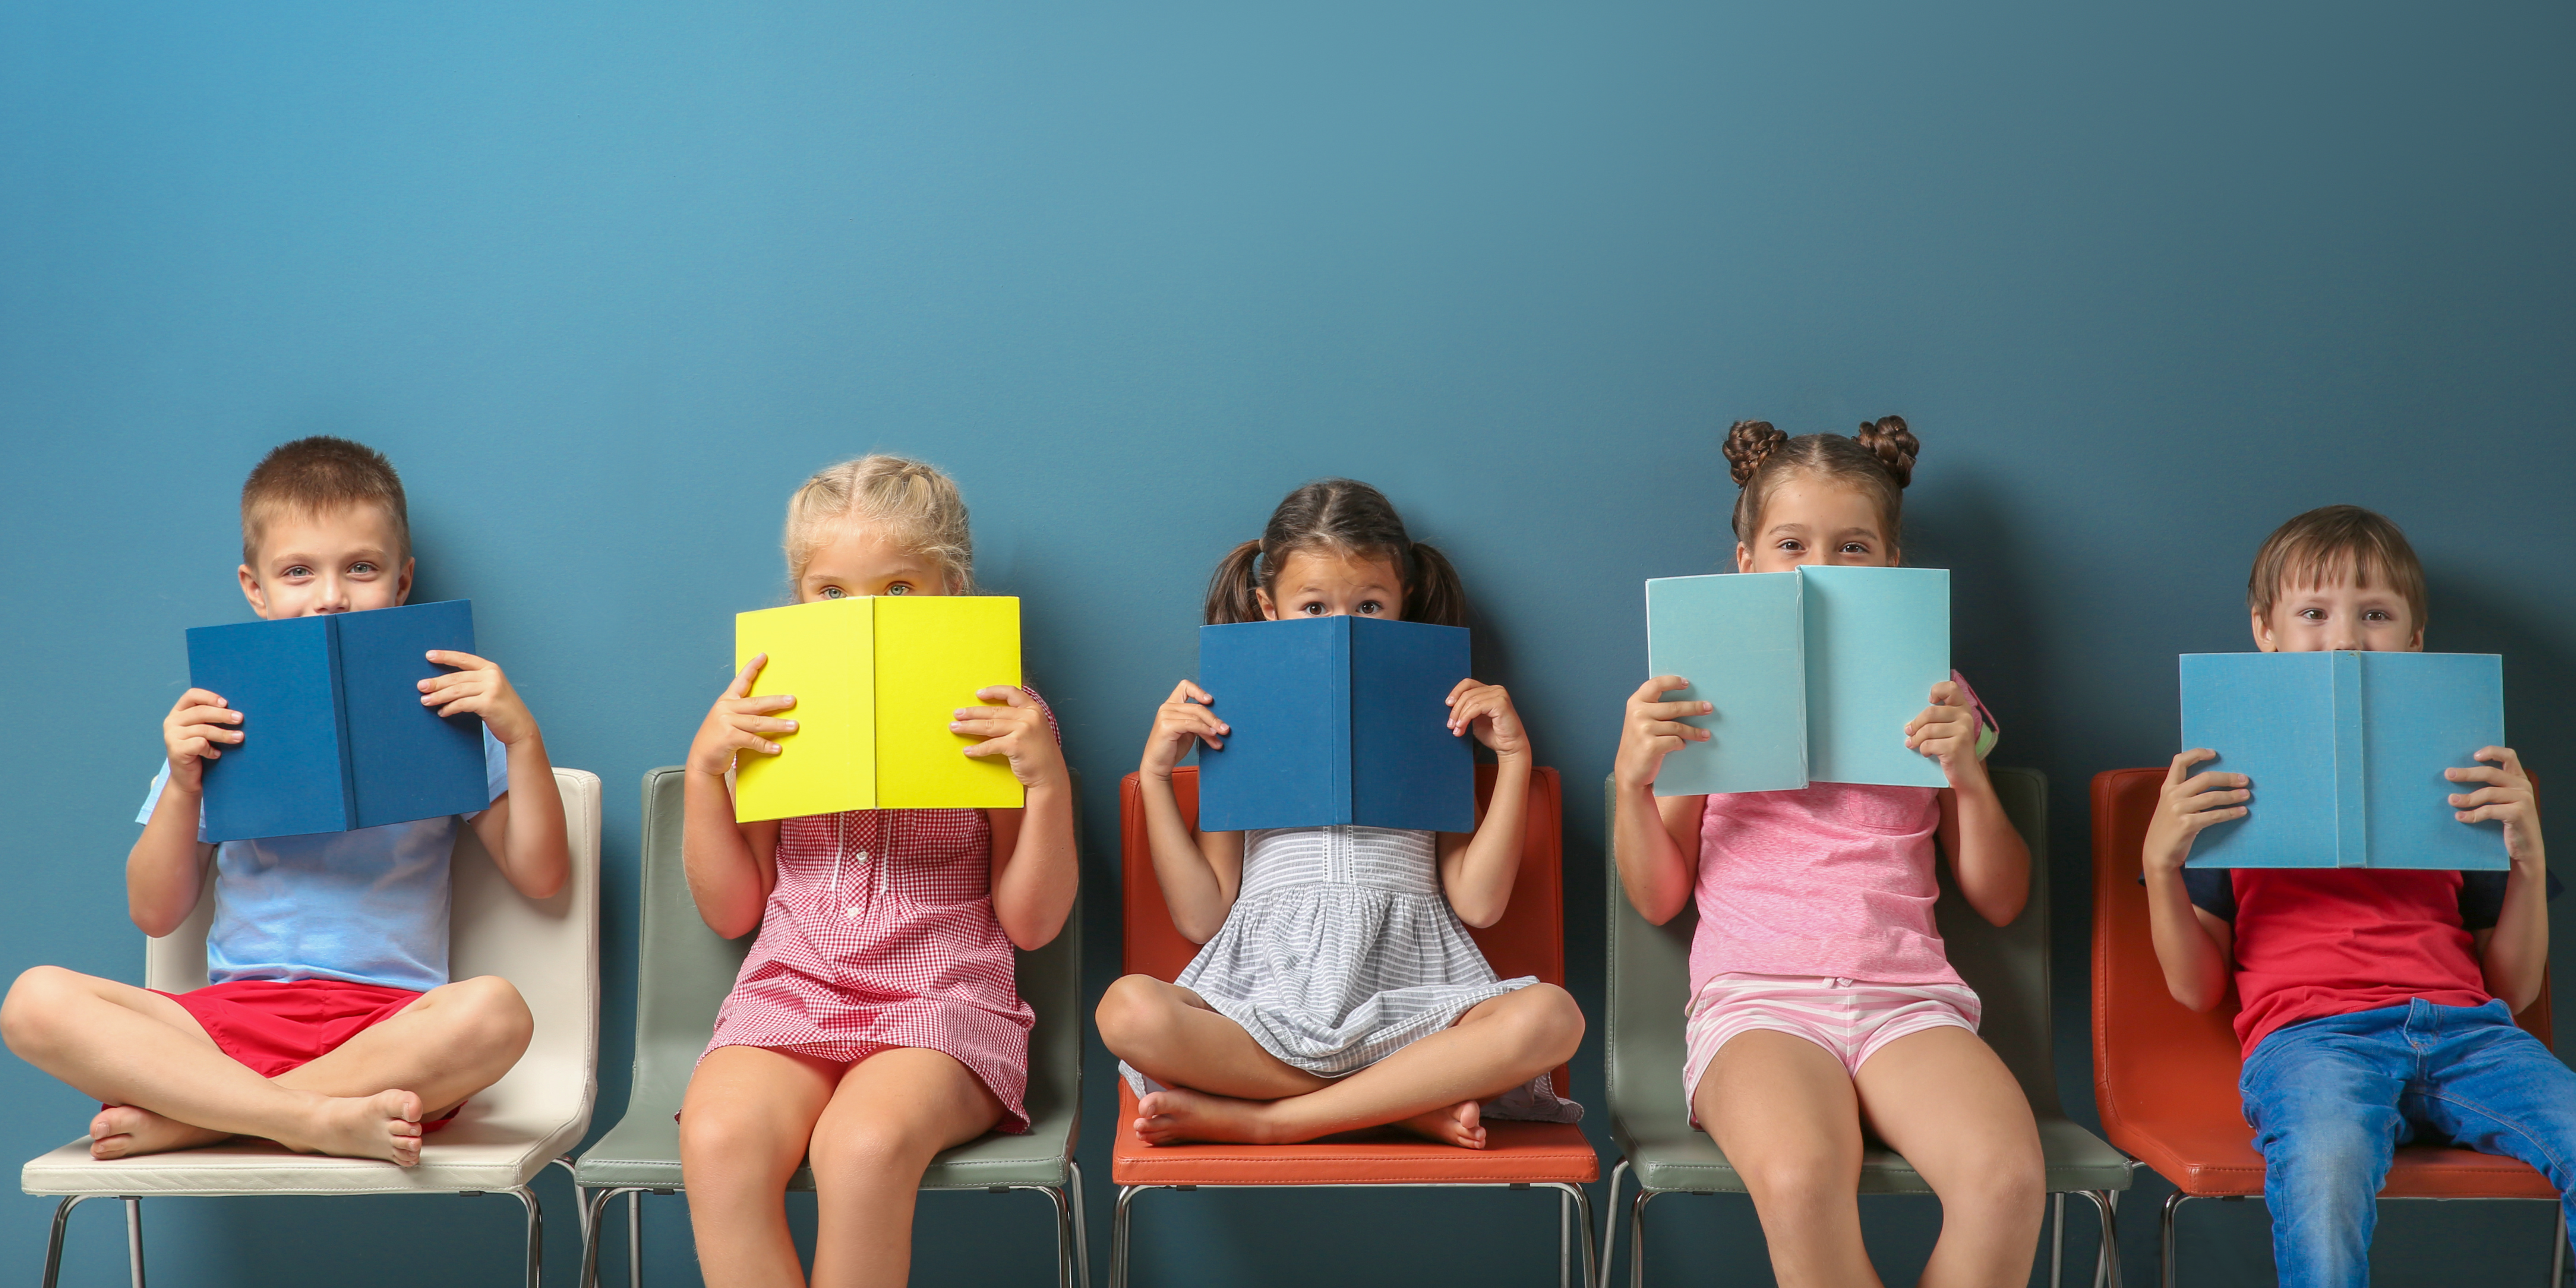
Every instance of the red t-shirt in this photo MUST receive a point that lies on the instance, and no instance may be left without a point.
(2313, 942)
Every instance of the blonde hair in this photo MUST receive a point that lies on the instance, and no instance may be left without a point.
(2323, 546)
(917, 506)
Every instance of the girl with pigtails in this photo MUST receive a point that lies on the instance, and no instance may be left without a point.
(1823, 1005)
(1335, 988)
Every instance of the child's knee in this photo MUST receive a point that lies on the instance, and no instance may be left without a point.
(873, 1146)
(1133, 1015)
(31, 1016)
(1547, 1023)
(722, 1138)
(1796, 1178)
(487, 1016)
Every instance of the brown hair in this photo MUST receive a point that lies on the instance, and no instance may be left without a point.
(319, 474)
(1879, 460)
(2322, 545)
(916, 504)
(1347, 517)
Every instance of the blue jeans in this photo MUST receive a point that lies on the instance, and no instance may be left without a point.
(2331, 1099)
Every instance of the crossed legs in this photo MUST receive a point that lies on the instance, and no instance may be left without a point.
(1220, 1085)
(170, 1087)
(871, 1128)
(1790, 1119)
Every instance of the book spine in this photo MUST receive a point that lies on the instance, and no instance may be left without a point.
(1806, 692)
(1343, 805)
(349, 819)
(2352, 811)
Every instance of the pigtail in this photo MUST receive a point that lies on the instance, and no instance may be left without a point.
(1749, 443)
(1233, 591)
(1893, 444)
(1433, 593)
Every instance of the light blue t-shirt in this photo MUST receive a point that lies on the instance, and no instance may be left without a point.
(368, 906)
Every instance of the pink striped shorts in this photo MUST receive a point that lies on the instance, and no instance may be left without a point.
(1850, 1018)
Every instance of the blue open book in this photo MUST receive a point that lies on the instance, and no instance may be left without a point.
(1336, 720)
(335, 736)
(1814, 674)
(2346, 753)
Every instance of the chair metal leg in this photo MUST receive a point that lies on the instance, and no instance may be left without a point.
(1119, 1220)
(1610, 1230)
(54, 1245)
(2165, 1259)
(1581, 1203)
(2106, 1262)
(1637, 1238)
(580, 1209)
(134, 1239)
(2057, 1240)
(634, 1240)
(536, 1233)
(2558, 1250)
(1564, 1243)
(1064, 1271)
(1081, 1225)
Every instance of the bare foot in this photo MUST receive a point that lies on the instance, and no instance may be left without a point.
(385, 1125)
(1461, 1124)
(123, 1131)
(1173, 1115)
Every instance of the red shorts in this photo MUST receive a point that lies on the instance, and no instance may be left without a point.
(273, 1025)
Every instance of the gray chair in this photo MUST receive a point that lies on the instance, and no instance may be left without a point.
(684, 971)
(2008, 966)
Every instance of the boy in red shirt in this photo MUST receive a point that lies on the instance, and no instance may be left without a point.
(2377, 1004)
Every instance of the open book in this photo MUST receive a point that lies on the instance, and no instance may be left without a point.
(1336, 720)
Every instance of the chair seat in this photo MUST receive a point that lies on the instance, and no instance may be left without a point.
(644, 1150)
(1667, 1153)
(472, 1153)
(2211, 1159)
(1516, 1154)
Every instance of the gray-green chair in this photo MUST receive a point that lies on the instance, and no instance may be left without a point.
(2008, 966)
(684, 972)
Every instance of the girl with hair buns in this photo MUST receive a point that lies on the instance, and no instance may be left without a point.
(875, 1021)
(1335, 987)
(1822, 1003)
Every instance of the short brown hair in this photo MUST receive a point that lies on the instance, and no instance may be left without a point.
(2322, 545)
(317, 474)
(1878, 459)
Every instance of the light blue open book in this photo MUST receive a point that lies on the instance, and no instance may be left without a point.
(1813, 673)
(2346, 753)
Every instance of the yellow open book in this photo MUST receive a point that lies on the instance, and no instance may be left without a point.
(877, 679)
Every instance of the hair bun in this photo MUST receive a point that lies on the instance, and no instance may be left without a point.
(1893, 444)
(1749, 443)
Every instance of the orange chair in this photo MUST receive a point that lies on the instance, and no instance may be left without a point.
(1529, 940)
(2165, 1078)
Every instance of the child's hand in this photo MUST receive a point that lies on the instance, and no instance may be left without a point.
(2507, 797)
(737, 722)
(2190, 803)
(197, 730)
(1182, 717)
(479, 689)
(1947, 732)
(1016, 729)
(1653, 730)
(1487, 710)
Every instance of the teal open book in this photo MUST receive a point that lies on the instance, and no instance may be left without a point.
(2346, 753)
(1814, 674)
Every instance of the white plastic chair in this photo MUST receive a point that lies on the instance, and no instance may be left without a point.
(505, 1135)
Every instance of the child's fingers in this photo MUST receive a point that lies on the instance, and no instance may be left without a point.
(206, 715)
(2213, 781)
(757, 725)
(1944, 693)
(1658, 687)
(2502, 755)
(198, 698)
(766, 702)
(984, 728)
(2481, 774)
(1005, 694)
(1461, 687)
(1674, 710)
(2206, 801)
(2185, 761)
(742, 679)
(1189, 692)
(1677, 732)
(450, 657)
(2198, 821)
(2486, 796)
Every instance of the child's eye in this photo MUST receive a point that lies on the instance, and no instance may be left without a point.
(1790, 546)
(296, 570)
(2376, 615)
(2312, 615)
(899, 588)
(362, 568)
(1371, 608)
(1311, 609)
(832, 592)
(1855, 548)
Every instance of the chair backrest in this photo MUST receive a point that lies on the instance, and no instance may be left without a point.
(547, 948)
(2153, 1058)
(1528, 940)
(2006, 965)
(684, 970)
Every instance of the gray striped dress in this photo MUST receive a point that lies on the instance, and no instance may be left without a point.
(1340, 950)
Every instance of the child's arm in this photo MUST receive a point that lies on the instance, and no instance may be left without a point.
(168, 862)
(1199, 871)
(2515, 952)
(731, 866)
(527, 840)
(1035, 868)
(1655, 839)
(1477, 871)
(2196, 949)
(1986, 850)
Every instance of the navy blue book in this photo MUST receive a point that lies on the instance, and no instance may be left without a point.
(2346, 753)
(336, 737)
(1336, 720)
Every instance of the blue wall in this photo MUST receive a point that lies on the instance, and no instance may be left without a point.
(606, 280)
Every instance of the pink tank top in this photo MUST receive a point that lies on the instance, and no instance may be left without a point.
(1833, 879)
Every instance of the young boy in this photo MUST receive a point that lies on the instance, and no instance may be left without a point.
(329, 1025)
(2377, 1003)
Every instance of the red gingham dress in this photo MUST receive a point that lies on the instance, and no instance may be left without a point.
(880, 933)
